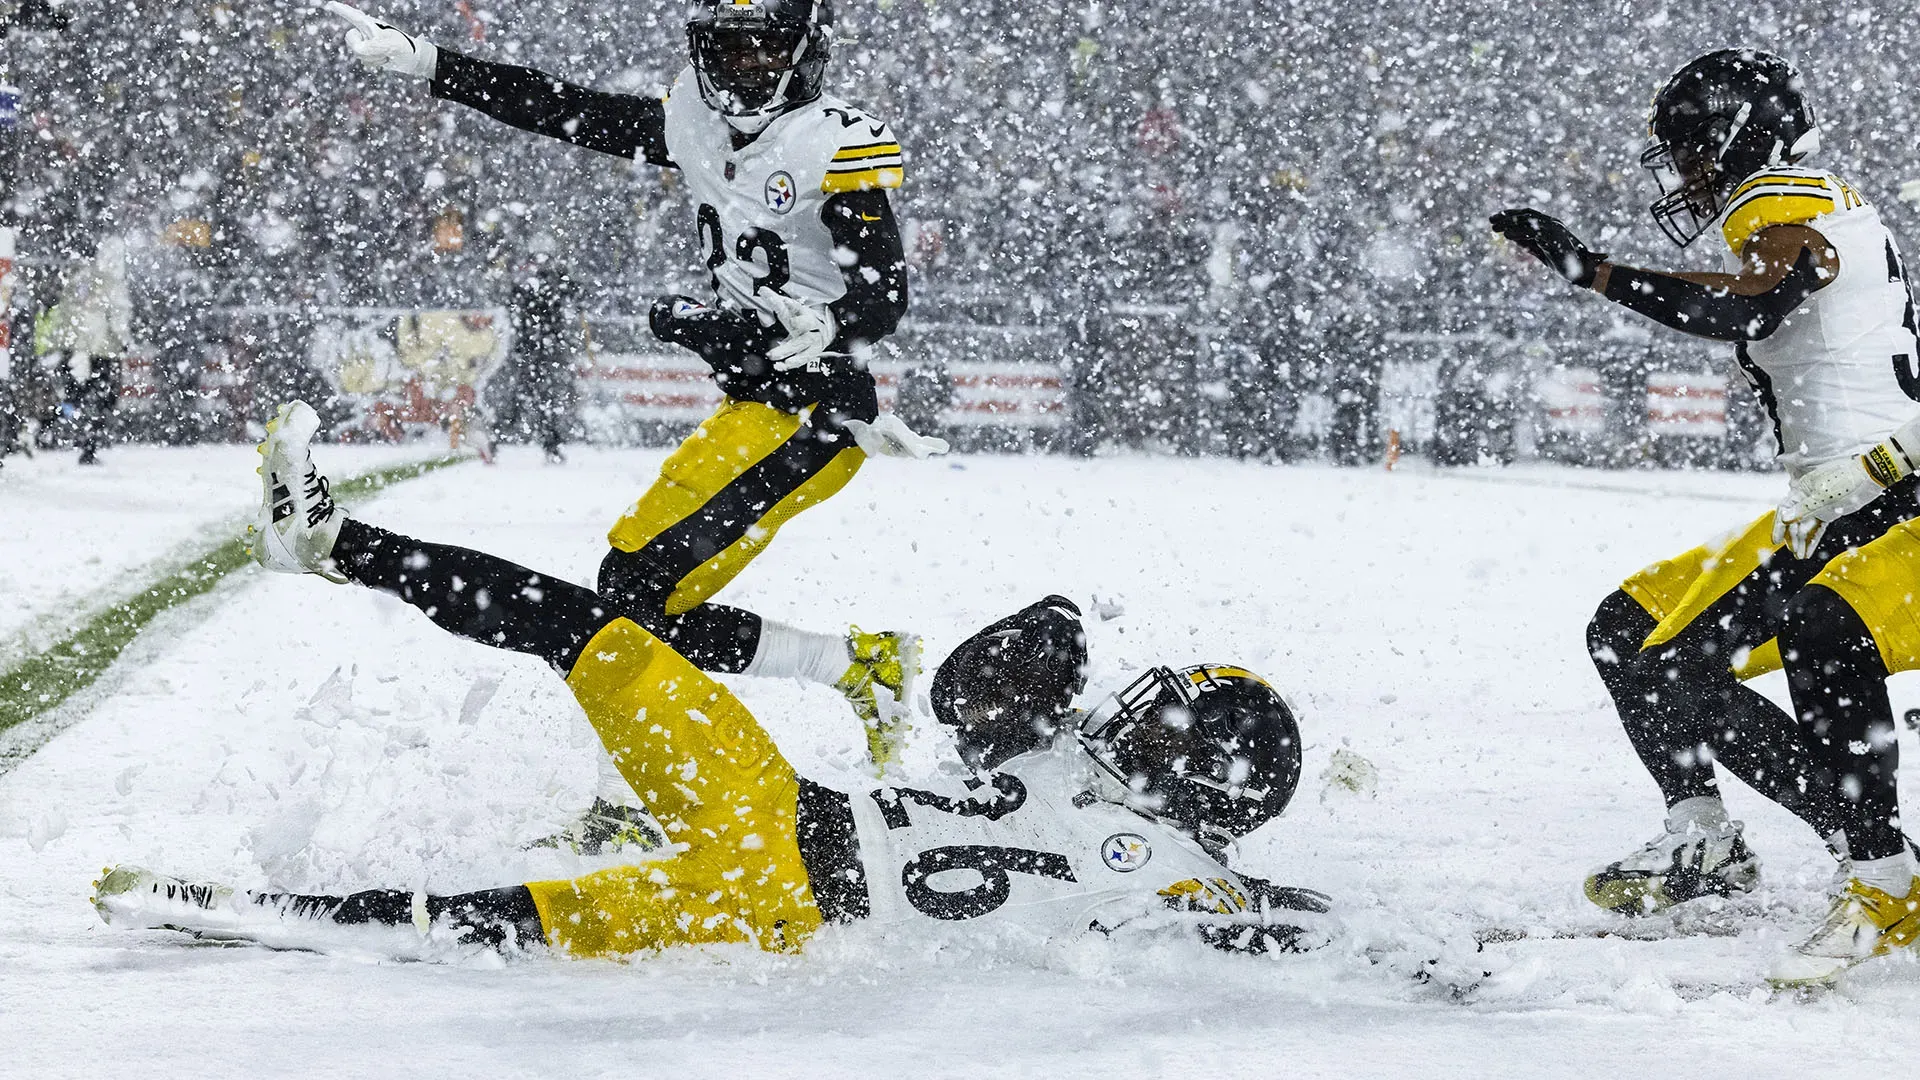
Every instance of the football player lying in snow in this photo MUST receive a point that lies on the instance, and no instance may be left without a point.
(1116, 818)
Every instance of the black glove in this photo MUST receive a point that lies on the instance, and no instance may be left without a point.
(1549, 240)
(731, 342)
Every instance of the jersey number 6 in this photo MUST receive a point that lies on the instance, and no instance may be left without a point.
(765, 241)
(996, 867)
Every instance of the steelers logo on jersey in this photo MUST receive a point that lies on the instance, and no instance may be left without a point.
(781, 192)
(1125, 852)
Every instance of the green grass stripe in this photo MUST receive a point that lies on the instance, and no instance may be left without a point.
(45, 680)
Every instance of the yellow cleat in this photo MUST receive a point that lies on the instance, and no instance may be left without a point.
(607, 829)
(1862, 924)
(879, 686)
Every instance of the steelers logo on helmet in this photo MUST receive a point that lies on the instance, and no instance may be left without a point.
(1212, 750)
(758, 59)
(1718, 120)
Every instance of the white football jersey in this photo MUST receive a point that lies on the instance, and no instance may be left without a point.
(1843, 371)
(760, 206)
(1014, 849)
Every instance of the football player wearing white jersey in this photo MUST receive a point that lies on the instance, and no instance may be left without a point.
(1118, 820)
(1815, 298)
(797, 229)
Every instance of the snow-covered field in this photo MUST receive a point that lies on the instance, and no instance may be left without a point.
(326, 738)
(74, 537)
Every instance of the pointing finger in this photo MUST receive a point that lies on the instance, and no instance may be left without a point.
(360, 20)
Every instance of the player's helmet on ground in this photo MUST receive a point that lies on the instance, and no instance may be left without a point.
(756, 59)
(1212, 750)
(1717, 121)
(1006, 689)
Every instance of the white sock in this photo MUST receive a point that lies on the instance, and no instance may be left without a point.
(1700, 812)
(787, 652)
(1892, 875)
(1837, 843)
(613, 786)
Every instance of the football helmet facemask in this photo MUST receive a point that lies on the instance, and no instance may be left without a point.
(1211, 750)
(1717, 121)
(757, 59)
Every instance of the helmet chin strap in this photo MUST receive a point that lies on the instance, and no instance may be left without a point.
(1739, 124)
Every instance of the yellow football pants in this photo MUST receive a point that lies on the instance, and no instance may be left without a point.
(726, 491)
(715, 781)
(1879, 578)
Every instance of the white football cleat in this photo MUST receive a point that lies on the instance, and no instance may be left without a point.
(134, 898)
(299, 521)
(139, 899)
(1677, 866)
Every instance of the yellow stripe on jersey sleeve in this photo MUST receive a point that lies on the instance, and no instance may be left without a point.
(862, 178)
(1770, 206)
(1778, 180)
(870, 150)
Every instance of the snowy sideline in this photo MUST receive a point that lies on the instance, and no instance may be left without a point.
(73, 536)
(326, 738)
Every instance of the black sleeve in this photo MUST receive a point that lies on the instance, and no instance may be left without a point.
(1714, 313)
(732, 342)
(624, 125)
(1279, 918)
(873, 264)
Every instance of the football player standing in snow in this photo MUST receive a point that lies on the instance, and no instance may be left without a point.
(1816, 301)
(1110, 821)
(798, 231)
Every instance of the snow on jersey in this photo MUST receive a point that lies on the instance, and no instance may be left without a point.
(1843, 371)
(760, 206)
(1013, 848)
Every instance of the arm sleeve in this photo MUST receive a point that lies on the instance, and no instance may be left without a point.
(1713, 313)
(1276, 918)
(624, 125)
(733, 343)
(866, 242)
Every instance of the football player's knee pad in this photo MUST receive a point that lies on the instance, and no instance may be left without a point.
(1006, 689)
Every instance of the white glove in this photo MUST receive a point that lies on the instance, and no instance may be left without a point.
(889, 436)
(1821, 495)
(809, 331)
(382, 46)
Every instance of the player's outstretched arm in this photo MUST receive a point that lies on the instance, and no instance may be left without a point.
(1252, 915)
(624, 125)
(1781, 267)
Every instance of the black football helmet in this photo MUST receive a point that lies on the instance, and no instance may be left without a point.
(1212, 750)
(756, 59)
(1718, 120)
(1006, 689)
